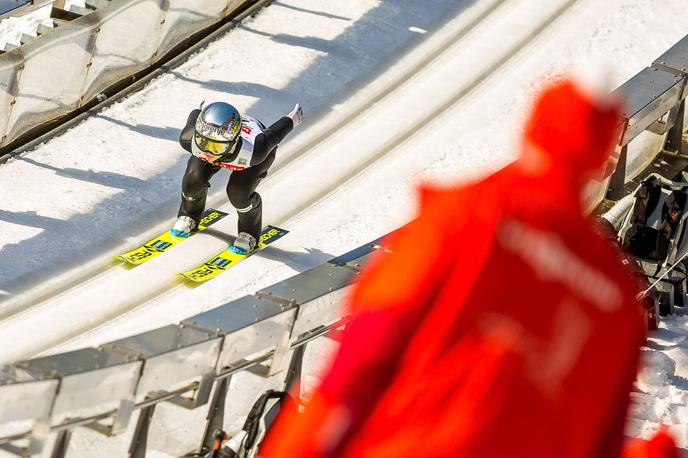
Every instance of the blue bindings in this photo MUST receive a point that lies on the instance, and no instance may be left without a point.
(244, 244)
(183, 227)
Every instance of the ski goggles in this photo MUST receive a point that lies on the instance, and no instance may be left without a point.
(214, 147)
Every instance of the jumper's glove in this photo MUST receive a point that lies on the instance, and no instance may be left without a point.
(296, 115)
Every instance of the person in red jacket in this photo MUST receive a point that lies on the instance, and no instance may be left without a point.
(662, 445)
(499, 326)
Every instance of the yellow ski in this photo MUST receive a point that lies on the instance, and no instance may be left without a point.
(228, 258)
(165, 241)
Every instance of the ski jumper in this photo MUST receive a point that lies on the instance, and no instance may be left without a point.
(248, 164)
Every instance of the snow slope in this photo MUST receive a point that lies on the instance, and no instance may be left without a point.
(114, 179)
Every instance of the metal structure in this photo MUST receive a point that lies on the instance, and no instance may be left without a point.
(100, 388)
(43, 400)
(655, 103)
(70, 66)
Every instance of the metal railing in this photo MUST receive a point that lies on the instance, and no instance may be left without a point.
(100, 388)
(70, 67)
(655, 105)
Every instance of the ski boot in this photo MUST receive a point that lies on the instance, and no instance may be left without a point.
(183, 227)
(244, 243)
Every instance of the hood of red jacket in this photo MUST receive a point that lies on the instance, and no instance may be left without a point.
(571, 130)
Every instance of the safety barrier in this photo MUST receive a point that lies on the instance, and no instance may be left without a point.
(69, 67)
(99, 388)
(43, 400)
(655, 107)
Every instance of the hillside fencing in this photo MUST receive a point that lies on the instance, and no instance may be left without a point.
(71, 66)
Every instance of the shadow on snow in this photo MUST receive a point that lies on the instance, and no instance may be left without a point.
(349, 61)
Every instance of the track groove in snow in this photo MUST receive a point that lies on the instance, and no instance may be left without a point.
(93, 271)
(362, 127)
(114, 300)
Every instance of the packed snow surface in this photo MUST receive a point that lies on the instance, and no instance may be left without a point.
(112, 181)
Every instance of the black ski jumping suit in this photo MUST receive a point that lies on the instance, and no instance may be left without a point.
(248, 164)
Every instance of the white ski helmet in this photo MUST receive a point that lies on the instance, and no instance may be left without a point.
(217, 129)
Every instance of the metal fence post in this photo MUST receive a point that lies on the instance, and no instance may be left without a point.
(292, 381)
(216, 414)
(137, 449)
(618, 178)
(674, 141)
(61, 444)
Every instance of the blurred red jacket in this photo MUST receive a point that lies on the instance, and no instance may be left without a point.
(662, 445)
(500, 325)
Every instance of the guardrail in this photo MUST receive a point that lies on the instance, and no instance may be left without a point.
(655, 105)
(44, 399)
(68, 68)
(99, 388)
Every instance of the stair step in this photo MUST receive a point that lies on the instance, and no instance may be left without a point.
(25, 38)
(61, 16)
(42, 28)
(80, 10)
(95, 4)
